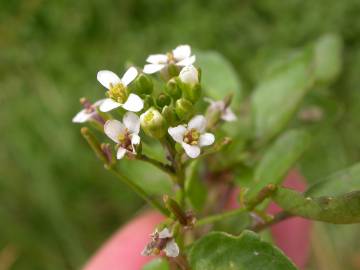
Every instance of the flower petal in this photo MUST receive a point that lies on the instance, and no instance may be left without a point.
(171, 249)
(134, 103)
(177, 133)
(81, 117)
(132, 122)
(157, 59)
(228, 115)
(99, 102)
(192, 151)
(129, 76)
(198, 122)
(206, 139)
(187, 61)
(120, 153)
(135, 139)
(113, 128)
(109, 105)
(181, 52)
(165, 233)
(152, 68)
(107, 77)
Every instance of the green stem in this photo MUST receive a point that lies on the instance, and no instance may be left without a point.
(138, 190)
(165, 168)
(218, 217)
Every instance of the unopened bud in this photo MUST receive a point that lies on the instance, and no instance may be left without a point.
(163, 100)
(153, 123)
(144, 84)
(183, 108)
(172, 89)
(169, 115)
(189, 75)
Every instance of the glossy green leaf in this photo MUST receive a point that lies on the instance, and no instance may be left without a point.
(340, 182)
(220, 251)
(328, 57)
(195, 189)
(342, 209)
(278, 95)
(218, 76)
(157, 264)
(278, 160)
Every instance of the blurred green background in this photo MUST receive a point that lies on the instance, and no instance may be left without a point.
(57, 203)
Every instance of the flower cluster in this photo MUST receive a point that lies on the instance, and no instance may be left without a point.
(168, 111)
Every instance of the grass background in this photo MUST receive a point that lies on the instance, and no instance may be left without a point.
(57, 204)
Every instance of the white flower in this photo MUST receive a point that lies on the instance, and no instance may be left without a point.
(192, 136)
(125, 133)
(226, 113)
(89, 112)
(189, 74)
(162, 241)
(180, 56)
(118, 93)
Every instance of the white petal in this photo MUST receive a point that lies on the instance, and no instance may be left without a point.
(132, 122)
(106, 77)
(192, 151)
(187, 61)
(165, 233)
(129, 76)
(206, 139)
(152, 68)
(134, 103)
(81, 117)
(157, 59)
(181, 52)
(177, 133)
(135, 139)
(120, 153)
(228, 115)
(113, 128)
(99, 102)
(189, 75)
(209, 100)
(171, 249)
(108, 105)
(198, 122)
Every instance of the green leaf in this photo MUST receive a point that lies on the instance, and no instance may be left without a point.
(218, 76)
(328, 57)
(342, 209)
(340, 182)
(278, 95)
(195, 189)
(220, 251)
(278, 159)
(157, 264)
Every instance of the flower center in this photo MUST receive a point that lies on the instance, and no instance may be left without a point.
(89, 108)
(125, 140)
(171, 58)
(192, 137)
(118, 92)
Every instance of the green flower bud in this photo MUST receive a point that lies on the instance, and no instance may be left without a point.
(183, 108)
(163, 100)
(148, 102)
(144, 84)
(172, 89)
(188, 81)
(173, 70)
(169, 115)
(153, 123)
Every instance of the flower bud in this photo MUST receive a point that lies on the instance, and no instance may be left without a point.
(144, 84)
(153, 123)
(183, 108)
(172, 89)
(148, 102)
(169, 115)
(163, 100)
(189, 75)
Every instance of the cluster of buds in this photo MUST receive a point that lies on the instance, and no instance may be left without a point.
(163, 112)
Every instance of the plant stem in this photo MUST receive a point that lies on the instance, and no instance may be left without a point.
(277, 218)
(138, 190)
(218, 217)
(165, 168)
